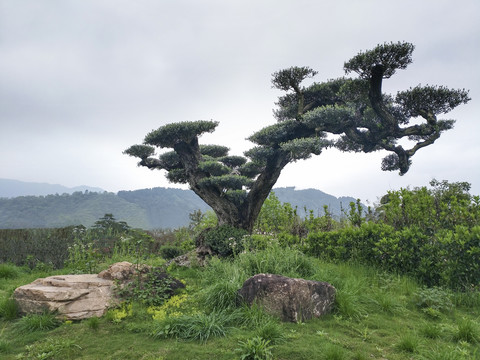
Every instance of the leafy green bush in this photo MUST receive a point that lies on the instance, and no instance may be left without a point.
(169, 251)
(152, 288)
(433, 298)
(48, 246)
(276, 217)
(225, 240)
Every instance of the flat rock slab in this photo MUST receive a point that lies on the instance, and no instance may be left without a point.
(290, 299)
(72, 297)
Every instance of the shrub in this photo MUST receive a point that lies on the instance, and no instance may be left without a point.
(225, 240)
(169, 251)
(433, 298)
(48, 246)
(152, 288)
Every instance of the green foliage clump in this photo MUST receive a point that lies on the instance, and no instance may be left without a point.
(277, 259)
(152, 288)
(433, 298)
(37, 322)
(430, 234)
(225, 240)
(169, 135)
(8, 271)
(51, 348)
(408, 343)
(8, 309)
(170, 251)
(255, 348)
(199, 327)
(47, 246)
(468, 331)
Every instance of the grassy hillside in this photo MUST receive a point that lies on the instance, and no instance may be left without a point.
(377, 316)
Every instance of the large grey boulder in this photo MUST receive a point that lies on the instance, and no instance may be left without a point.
(72, 297)
(289, 299)
(75, 297)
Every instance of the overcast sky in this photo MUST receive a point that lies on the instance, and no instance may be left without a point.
(82, 80)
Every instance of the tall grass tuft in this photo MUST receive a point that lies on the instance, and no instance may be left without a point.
(8, 309)
(408, 343)
(253, 316)
(37, 322)
(8, 271)
(350, 299)
(271, 331)
(4, 346)
(333, 352)
(277, 260)
(468, 331)
(220, 296)
(222, 279)
(200, 327)
(431, 330)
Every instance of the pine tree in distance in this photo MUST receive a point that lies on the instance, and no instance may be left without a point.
(351, 114)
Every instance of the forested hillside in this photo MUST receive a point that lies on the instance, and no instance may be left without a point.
(146, 209)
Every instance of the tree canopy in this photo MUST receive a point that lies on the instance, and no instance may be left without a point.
(351, 114)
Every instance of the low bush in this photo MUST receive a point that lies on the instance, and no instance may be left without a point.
(152, 288)
(170, 251)
(48, 246)
(224, 240)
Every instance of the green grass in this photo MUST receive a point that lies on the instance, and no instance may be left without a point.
(377, 316)
(8, 271)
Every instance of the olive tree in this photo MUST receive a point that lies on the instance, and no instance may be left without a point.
(351, 114)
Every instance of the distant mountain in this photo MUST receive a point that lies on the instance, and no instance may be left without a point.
(146, 209)
(313, 199)
(13, 188)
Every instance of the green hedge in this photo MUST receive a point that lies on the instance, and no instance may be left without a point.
(33, 246)
(447, 258)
